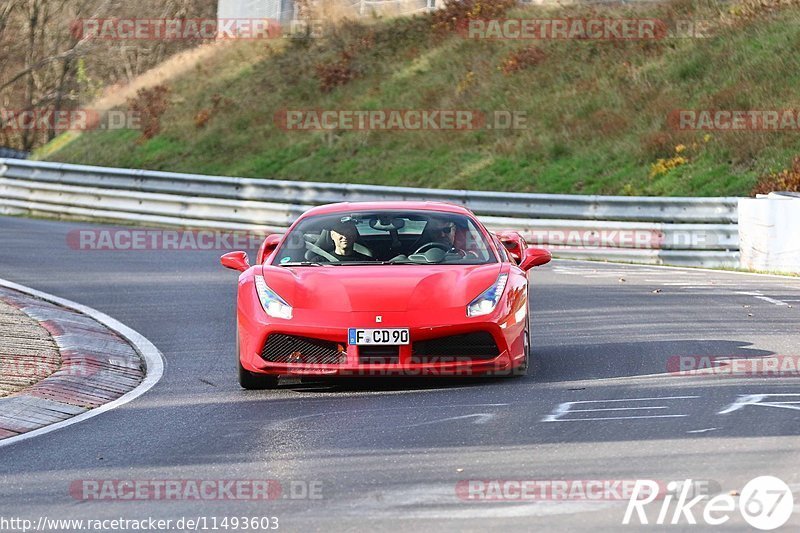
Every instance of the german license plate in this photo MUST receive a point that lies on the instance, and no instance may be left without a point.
(381, 336)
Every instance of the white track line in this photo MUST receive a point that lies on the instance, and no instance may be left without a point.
(771, 300)
(153, 359)
(669, 267)
(758, 295)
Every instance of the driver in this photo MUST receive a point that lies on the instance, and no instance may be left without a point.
(344, 235)
(443, 232)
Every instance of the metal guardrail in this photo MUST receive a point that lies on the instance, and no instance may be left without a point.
(685, 231)
(13, 153)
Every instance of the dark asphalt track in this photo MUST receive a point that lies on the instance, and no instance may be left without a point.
(388, 454)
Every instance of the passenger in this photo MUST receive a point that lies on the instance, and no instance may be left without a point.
(344, 235)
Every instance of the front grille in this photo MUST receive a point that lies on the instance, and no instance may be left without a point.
(379, 355)
(470, 346)
(281, 348)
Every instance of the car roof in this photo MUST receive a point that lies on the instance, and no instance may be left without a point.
(346, 207)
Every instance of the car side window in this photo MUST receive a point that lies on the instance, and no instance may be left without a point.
(502, 250)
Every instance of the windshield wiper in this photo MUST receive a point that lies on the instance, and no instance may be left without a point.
(302, 264)
(389, 262)
(401, 262)
(357, 263)
(354, 263)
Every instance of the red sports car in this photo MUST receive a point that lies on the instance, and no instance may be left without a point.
(384, 288)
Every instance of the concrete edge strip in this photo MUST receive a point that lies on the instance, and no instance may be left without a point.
(153, 359)
(673, 267)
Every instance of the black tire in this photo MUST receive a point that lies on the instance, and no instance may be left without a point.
(250, 381)
(522, 370)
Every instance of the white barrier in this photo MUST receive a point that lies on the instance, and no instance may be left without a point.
(769, 232)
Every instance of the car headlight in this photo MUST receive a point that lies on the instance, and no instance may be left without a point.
(487, 301)
(273, 305)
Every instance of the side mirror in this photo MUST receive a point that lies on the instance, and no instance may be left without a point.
(533, 257)
(513, 243)
(235, 261)
(268, 246)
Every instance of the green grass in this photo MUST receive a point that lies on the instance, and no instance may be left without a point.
(596, 111)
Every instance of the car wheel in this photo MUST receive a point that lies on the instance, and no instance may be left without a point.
(522, 370)
(250, 381)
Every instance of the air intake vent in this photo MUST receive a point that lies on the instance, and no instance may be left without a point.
(379, 355)
(471, 346)
(281, 348)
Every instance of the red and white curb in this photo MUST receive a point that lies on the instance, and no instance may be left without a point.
(105, 364)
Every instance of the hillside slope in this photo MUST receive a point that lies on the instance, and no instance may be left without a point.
(596, 111)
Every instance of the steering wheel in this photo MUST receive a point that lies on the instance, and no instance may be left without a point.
(427, 246)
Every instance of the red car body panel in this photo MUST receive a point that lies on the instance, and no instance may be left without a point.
(430, 300)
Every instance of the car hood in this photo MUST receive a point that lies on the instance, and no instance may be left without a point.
(380, 287)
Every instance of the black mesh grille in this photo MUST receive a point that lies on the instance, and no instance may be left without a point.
(478, 345)
(385, 355)
(281, 348)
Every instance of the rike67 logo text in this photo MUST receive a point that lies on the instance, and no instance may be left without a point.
(765, 503)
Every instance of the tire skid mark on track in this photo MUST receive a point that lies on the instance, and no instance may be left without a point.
(440, 501)
(474, 418)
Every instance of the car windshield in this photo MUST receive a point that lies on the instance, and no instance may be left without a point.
(385, 238)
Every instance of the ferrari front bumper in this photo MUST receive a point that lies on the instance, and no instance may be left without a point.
(496, 349)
